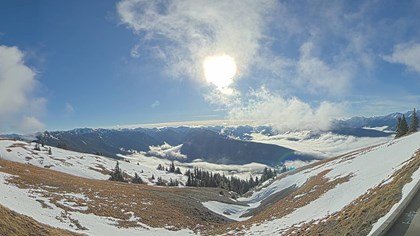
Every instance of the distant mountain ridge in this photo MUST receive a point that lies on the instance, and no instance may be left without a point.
(217, 144)
(197, 143)
(389, 120)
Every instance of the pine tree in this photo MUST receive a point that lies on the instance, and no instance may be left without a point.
(172, 167)
(414, 122)
(404, 126)
(117, 174)
(189, 182)
(137, 179)
(160, 182)
(398, 132)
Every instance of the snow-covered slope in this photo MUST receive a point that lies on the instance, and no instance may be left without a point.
(342, 180)
(80, 164)
(360, 172)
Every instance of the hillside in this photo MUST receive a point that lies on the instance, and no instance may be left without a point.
(69, 190)
(218, 149)
(196, 143)
(102, 207)
(319, 194)
(12, 223)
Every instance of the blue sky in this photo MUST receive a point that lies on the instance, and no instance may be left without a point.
(68, 64)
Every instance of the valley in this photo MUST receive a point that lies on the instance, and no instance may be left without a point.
(70, 190)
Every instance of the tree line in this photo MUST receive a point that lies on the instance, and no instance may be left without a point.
(402, 126)
(202, 178)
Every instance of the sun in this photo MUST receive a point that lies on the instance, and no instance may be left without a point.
(219, 70)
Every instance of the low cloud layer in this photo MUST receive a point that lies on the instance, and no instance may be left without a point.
(285, 114)
(19, 109)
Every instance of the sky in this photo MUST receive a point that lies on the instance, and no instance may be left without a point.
(291, 64)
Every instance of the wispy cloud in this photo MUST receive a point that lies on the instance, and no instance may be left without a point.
(19, 109)
(407, 54)
(314, 49)
(68, 108)
(188, 31)
(316, 75)
(155, 104)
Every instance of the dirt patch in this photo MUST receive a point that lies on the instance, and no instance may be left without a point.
(101, 169)
(22, 145)
(269, 201)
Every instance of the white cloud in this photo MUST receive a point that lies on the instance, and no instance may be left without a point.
(31, 124)
(17, 81)
(286, 114)
(188, 31)
(295, 48)
(155, 104)
(69, 109)
(407, 54)
(135, 51)
(318, 77)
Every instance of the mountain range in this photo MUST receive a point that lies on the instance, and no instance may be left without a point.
(215, 144)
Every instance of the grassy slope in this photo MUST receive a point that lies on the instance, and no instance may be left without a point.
(181, 207)
(155, 206)
(12, 223)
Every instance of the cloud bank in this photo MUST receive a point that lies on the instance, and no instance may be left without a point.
(286, 114)
(19, 109)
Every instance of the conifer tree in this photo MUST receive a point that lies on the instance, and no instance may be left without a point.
(404, 126)
(160, 182)
(172, 167)
(414, 122)
(137, 179)
(117, 174)
(398, 132)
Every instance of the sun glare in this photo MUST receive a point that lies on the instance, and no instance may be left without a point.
(219, 70)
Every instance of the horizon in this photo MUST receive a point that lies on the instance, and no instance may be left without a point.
(191, 124)
(74, 64)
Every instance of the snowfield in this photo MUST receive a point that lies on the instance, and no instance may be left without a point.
(93, 166)
(22, 201)
(367, 168)
(81, 164)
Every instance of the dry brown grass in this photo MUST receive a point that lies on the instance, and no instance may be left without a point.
(153, 206)
(182, 208)
(12, 223)
(358, 217)
(310, 191)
